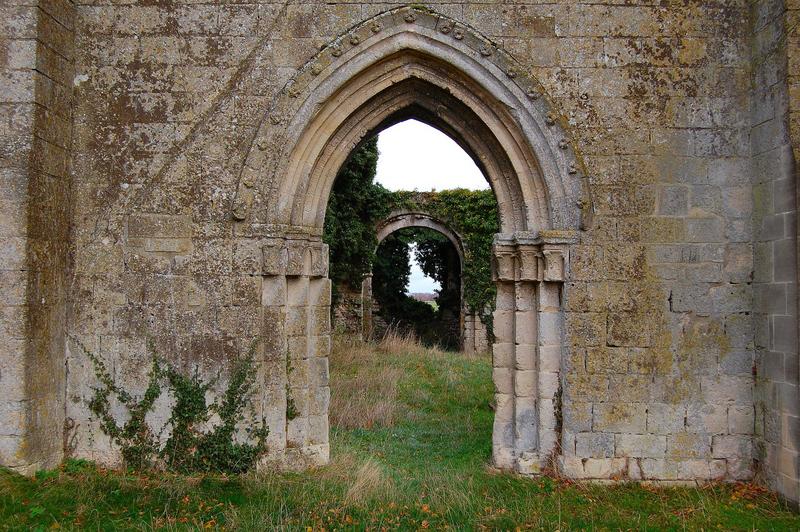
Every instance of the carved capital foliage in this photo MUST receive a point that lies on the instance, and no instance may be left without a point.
(531, 257)
(295, 258)
(503, 263)
(554, 264)
(319, 260)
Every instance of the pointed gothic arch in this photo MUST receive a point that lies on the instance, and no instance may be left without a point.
(405, 63)
(410, 63)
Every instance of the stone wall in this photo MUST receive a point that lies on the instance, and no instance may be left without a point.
(682, 279)
(36, 131)
(659, 379)
(348, 311)
(774, 178)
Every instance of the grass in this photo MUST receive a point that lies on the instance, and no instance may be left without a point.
(409, 450)
(364, 387)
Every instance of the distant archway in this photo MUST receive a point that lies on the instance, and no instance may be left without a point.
(472, 332)
(401, 219)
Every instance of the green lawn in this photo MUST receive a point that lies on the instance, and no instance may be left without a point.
(426, 470)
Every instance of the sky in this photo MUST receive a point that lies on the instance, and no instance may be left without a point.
(415, 156)
(417, 281)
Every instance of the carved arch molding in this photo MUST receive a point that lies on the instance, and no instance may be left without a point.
(412, 63)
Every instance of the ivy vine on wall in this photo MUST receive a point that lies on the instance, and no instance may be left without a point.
(473, 215)
(356, 204)
(195, 443)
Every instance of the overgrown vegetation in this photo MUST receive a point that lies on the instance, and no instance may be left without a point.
(192, 446)
(366, 391)
(424, 466)
(357, 203)
(472, 214)
(439, 260)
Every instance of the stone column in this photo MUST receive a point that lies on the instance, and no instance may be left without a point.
(526, 381)
(468, 332)
(529, 271)
(503, 454)
(481, 336)
(550, 344)
(297, 330)
(37, 72)
(273, 299)
(366, 307)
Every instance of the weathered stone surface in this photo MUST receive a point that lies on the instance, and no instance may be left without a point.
(640, 445)
(647, 264)
(620, 417)
(594, 445)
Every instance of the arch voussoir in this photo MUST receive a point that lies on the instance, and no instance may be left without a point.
(335, 75)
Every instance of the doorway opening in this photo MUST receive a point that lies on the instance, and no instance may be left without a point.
(402, 232)
(402, 64)
(410, 241)
(416, 288)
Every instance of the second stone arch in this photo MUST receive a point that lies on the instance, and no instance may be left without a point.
(472, 330)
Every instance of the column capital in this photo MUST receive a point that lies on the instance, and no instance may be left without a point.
(532, 256)
(503, 261)
(530, 262)
(295, 257)
(555, 263)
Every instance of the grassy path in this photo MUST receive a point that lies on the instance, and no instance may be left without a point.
(409, 452)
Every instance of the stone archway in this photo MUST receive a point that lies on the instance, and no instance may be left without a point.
(473, 333)
(402, 64)
(403, 218)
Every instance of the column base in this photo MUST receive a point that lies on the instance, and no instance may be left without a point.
(531, 464)
(527, 464)
(297, 459)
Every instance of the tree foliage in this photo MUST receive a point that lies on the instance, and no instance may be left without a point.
(391, 273)
(354, 207)
(431, 252)
(392, 270)
(473, 215)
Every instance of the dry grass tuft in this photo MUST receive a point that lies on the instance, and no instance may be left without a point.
(363, 386)
(365, 377)
(397, 341)
(370, 483)
(340, 468)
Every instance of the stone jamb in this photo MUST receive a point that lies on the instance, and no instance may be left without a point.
(529, 270)
(297, 293)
